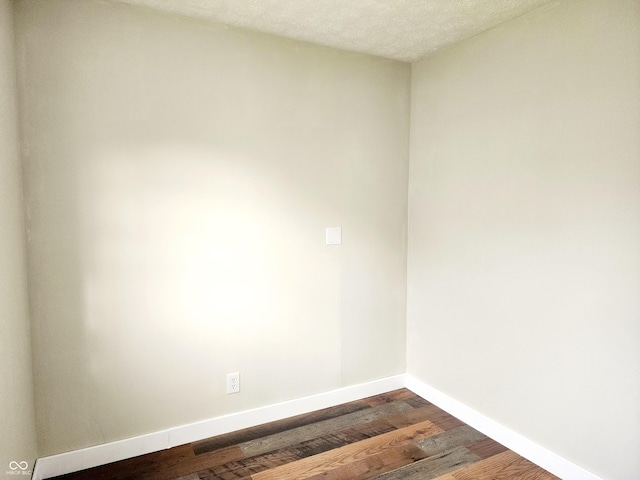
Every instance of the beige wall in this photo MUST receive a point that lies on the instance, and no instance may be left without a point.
(179, 177)
(524, 229)
(17, 417)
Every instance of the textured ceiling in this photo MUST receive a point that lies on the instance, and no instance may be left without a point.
(401, 29)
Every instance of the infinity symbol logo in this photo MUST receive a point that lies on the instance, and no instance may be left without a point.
(18, 465)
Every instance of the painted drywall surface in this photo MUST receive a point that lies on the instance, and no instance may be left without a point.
(17, 416)
(524, 229)
(179, 177)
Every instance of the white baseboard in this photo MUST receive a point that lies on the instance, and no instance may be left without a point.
(76, 460)
(532, 451)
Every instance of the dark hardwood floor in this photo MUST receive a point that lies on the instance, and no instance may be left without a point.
(394, 436)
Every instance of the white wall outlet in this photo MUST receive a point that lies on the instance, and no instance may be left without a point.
(233, 382)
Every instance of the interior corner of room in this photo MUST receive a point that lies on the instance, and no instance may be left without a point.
(166, 183)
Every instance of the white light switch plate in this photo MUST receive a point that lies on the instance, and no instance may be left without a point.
(333, 235)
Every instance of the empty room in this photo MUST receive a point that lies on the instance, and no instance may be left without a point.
(390, 239)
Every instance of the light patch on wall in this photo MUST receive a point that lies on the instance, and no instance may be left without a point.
(195, 257)
(212, 231)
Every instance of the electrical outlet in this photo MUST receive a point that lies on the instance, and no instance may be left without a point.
(233, 382)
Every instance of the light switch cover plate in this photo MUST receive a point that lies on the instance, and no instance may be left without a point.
(333, 235)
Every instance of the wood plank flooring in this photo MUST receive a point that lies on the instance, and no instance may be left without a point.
(394, 436)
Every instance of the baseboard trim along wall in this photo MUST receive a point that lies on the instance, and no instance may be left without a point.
(522, 446)
(76, 460)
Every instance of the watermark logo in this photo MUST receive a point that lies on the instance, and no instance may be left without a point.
(18, 468)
